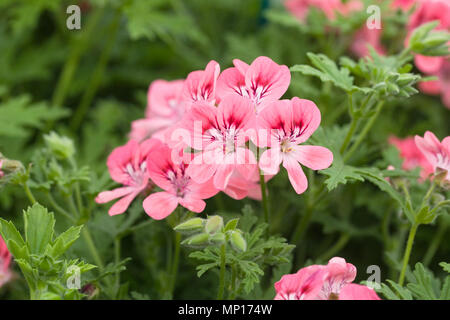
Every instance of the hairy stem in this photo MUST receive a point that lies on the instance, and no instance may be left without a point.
(407, 254)
(222, 273)
(265, 199)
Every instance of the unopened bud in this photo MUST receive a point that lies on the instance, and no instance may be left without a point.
(189, 226)
(237, 241)
(214, 224)
(218, 238)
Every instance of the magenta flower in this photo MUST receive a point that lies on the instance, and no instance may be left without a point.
(220, 135)
(128, 166)
(436, 152)
(179, 188)
(319, 282)
(284, 125)
(165, 107)
(262, 82)
(412, 156)
(200, 85)
(5, 261)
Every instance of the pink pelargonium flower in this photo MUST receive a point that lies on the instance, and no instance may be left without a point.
(128, 166)
(404, 5)
(412, 156)
(220, 133)
(262, 82)
(5, 261)
(284, 125)
(441, 85)
(1, 172)
(178, 188)
(165, 107)
(436, 152)
(319, 282)
(200, 85)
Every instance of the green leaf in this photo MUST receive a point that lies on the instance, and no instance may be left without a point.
(425, 286)
(39, 224)
(10, 233)
(399, 294)
(231, 225)
(445, 266)
(327, 70)
(340, 173)
(64, 241)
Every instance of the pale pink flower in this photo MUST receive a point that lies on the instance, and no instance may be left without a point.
(441, 85)
(127, 165)
(412, 156)
(284, 125)
(319, 282)
(178, 187)
(165, 107)
(436, 152)
(262, 82)
(220, 135)
(365, 37)
(5, 261)
(239, 187)
(200, 85)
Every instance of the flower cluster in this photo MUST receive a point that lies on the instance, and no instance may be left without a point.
(427, 152)
(319, 282)
(201, 136)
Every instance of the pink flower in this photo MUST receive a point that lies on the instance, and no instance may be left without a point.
(179, 188)
(365, 37)
(300, 8)
(441, 85)
(412, 156)
(404, 5)
(437, 153)
(1, 172)
(262, 82)
(319, 282)
(5, 261)
(164, 108)
(128, 166)
(220, 135)
(283, 126)
(201, 85)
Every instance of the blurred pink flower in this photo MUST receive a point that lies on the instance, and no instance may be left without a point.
(5, 261)
(164, 108)
(365, 37)
(319, 282)
(411, 155)
(220, 134)
(179, 188)
(405, 5)
(283, 125)
(1, 172)
(128, 166)
(436, 152)
(262, 82)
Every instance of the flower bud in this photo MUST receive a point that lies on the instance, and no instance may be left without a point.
(218, 238)
(61, 147)
(237, 241)
(190, 226)
(214, 224)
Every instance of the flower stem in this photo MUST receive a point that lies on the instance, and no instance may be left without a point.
(222, 273)
(117, 247)
(92, 248)
(29, 193)
(342, 241)
(409, 244)
(265, 199)
(442, 228)
(175, 262)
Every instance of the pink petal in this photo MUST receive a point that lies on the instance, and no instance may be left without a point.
(306, 113)
(161, 94)
(192, 204)
(241, 66)
(202, 167)
(230, 81)
(122, 205)
(159, 205)
(223, 175)
(427, 64)
(246, 163)
(202, 190)
(296, 175)
(235, 111)
(314, 157)
(357, 292)
(119, 158)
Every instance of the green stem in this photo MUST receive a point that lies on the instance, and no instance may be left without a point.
(233, 282)
(265, 200)
(117, 247)
(365, 131)
(350, 133)
(222, 273)
(92, 248)
(29, 193)
(96, 79)
(409, 244)
(60, 209)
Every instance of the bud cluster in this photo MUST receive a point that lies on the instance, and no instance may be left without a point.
(212, 231)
